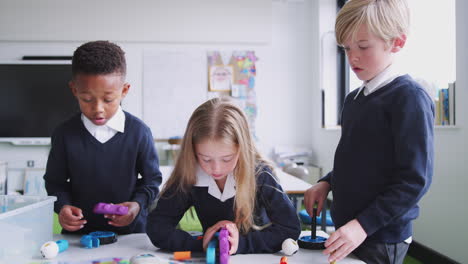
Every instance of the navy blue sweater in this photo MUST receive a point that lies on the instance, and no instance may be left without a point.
(272, 206)
(81, 171)
(384, 161)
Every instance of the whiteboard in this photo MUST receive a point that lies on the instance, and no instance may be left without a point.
(174, 84)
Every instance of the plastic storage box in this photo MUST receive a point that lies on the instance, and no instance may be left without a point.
(25, 224)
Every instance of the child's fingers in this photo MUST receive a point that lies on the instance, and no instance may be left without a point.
(73, 225)
(71, 228)
(335, 246)
(70, 218)
(76, 212)
(232, 228)
(223, 223)
(71, 213)
(319, 206)
(340, 254)
(306, 203)
(209, 235)
(212, 229)
(233, 237)
(216, 227)
(119, 220)
(233, 245)
(334, 236)
(113, 223)
(309, 203)
(111, 216)
(77, 222)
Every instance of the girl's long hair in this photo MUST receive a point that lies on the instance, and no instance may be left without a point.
(221, 119)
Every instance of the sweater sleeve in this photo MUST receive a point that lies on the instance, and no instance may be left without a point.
(163, 220)
(147, 187)
(411, 123)
(281, 213)
(57, 175)
(327, 178)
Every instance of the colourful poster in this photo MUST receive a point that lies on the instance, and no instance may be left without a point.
(234, 76)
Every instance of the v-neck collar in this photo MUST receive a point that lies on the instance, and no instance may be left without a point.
(205, 180)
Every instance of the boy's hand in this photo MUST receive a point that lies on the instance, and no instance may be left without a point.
(344, 240)
(124, 220)
(71, 218)
(316, 195)
(233, 235)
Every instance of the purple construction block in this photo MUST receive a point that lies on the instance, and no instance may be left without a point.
(105, 208)
(223, 246)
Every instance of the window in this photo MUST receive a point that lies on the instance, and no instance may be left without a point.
(428, 56)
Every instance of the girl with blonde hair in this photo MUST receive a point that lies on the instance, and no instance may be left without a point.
(220, 172)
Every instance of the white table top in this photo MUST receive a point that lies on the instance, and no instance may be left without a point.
(290, 184)
(134, 244)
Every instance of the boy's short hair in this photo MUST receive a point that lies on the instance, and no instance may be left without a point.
(99, 57)
(386, 19)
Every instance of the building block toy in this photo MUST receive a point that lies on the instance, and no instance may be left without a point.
(105, 208)
(51, 249)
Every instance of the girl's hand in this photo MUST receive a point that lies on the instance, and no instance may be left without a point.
(233, 234)
(124, 220)
(344, 240)
(71, 218)
(233, 237)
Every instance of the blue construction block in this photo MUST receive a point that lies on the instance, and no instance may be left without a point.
(306, 219)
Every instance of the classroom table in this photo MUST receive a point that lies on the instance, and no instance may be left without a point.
(134, 244)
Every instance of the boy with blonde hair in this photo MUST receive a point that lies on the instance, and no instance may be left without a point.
(384, 161)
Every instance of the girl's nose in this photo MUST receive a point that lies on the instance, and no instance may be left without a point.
(215, 167)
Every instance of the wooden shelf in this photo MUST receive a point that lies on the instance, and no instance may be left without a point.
(446, 127)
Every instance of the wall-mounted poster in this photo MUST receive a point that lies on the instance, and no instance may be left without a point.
(221, 78)
(236, 73)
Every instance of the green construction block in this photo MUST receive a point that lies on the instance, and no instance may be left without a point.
(57, 229)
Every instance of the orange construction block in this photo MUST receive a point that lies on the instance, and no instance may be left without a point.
(181, 255)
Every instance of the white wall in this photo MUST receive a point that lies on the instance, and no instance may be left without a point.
(444, 215)
(147, 20)
(282, 38)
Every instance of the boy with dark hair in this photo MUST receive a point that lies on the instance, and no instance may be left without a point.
(384, 161)
(98, 155)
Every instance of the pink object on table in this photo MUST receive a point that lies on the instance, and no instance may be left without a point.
(105, 208)
(223, 246)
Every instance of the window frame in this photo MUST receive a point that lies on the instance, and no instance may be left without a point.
(342, 73)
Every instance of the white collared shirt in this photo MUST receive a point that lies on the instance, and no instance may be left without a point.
(205, 180)
(380, 80)
(105, 132)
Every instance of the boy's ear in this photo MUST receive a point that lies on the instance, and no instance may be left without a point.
(398, 43)
(72, 86)
(125, 89)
